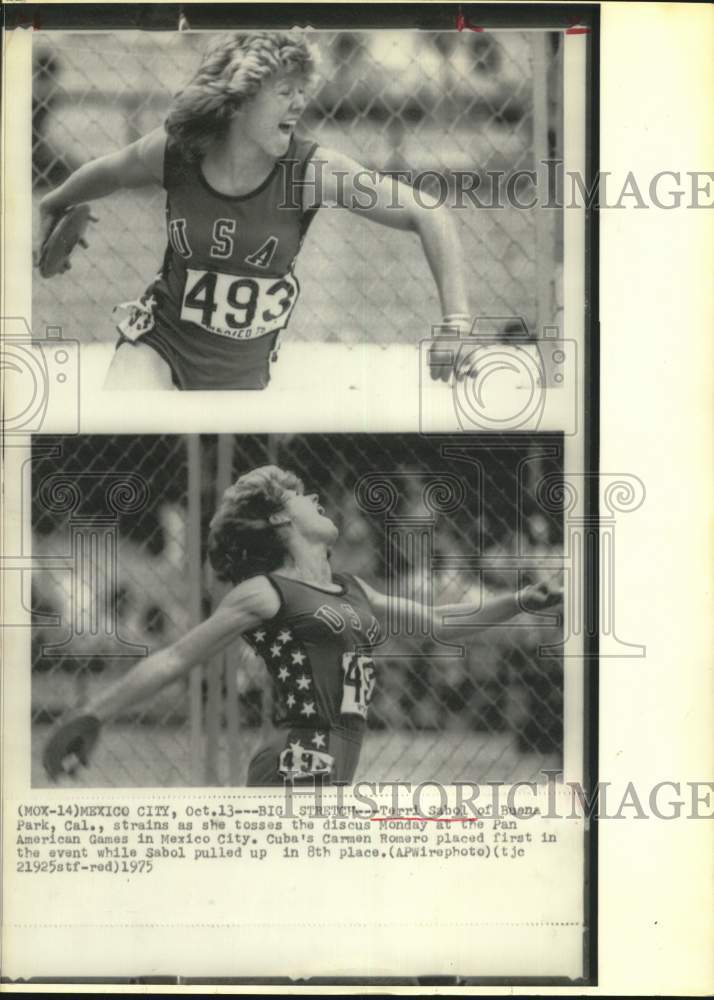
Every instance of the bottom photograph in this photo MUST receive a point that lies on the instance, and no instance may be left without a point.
(248, 610)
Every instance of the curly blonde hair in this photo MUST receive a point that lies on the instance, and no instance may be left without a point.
(242, 542)
(233, 69)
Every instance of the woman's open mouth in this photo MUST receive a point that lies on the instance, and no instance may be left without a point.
(286, 127)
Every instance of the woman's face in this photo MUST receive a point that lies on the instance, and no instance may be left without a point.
(307, 515)
(269, 118)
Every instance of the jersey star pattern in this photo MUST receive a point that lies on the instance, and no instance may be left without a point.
(316, 651)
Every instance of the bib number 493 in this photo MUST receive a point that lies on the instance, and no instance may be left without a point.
(359, 677)
(240, 308)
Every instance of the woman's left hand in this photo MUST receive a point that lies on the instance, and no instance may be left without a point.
(541, 595)
(445, 355)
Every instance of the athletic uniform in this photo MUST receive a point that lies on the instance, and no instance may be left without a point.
(316, 650)
(226, 288)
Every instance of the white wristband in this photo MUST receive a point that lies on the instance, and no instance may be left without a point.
(457, 319)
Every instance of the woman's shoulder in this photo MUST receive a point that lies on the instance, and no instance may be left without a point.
(257, 594)
(151, 149)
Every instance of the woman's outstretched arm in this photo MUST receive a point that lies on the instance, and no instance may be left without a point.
(140, 163)
(335, 179)
(245, 607)
(75, 734)
(495, 611)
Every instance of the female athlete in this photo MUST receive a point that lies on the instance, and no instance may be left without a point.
(242, 189)
(314, 629)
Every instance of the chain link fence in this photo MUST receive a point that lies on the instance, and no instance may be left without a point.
(110, 533)
(458, 103)
(119, 530)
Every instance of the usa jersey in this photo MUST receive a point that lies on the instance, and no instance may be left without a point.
(226, 288)
(317, 652)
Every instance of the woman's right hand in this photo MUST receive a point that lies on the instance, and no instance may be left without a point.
(70, 743)
(49, 216)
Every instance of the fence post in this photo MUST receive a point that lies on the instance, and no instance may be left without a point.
(233, 656)
(217, 667)
(193, 449)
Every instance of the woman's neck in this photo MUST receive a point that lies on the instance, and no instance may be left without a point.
(310, 565)
(236, 167)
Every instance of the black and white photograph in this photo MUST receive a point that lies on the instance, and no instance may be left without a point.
(355, 590)
(300, 209)
(322, 616)
(258, 609)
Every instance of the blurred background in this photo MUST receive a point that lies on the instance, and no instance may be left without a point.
(119, 529)
(395, 100)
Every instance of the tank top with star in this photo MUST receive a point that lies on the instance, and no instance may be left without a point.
(226, 288)
(316, 650)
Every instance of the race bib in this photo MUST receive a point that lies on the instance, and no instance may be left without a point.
(297, 761)
(358, 680)
(239, 308)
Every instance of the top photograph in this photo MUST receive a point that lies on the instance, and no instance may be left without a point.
(237, 210)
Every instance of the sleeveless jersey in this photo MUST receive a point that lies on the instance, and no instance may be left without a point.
(226, 288)
(317, 652)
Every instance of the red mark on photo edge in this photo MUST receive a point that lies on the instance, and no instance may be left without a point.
(424, 819)
(23, 22)
(574, 28)
(463, 25)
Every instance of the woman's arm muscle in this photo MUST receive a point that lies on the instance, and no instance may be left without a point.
(335, 179)
(135, 165)
(495, 611)
(245, 607)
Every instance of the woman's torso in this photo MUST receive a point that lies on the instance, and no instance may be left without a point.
(317, 653)
(226, 288)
